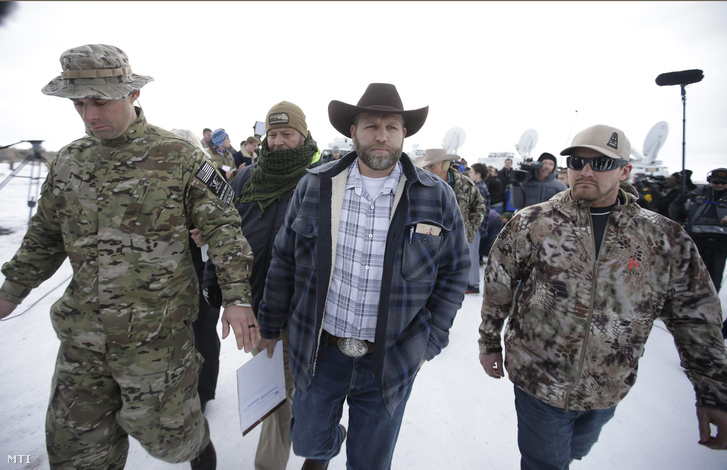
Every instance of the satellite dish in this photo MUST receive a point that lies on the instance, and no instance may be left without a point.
(453, 139)
(654, 140)
(527, 143)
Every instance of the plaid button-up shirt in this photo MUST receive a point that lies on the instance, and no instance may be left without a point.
(353, 299)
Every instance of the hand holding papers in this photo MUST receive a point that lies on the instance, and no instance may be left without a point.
(260, 388)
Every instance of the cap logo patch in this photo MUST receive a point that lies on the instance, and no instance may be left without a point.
(278, 119)
(613, 141)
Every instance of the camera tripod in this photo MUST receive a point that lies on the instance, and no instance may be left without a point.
(36, 161)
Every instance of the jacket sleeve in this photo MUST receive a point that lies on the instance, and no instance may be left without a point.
(477, 208)
(517, 195)
(213, 213)
(693, 315)
(41, 253)
(501, 279)
(449, 289)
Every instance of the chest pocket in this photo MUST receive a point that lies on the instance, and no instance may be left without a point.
(420, 255)
(134, 218)
(306, 231)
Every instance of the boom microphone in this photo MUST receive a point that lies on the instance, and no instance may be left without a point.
(685, 77)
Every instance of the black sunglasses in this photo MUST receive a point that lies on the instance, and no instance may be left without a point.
(597, 164)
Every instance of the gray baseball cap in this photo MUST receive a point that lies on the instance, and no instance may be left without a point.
(95, 71)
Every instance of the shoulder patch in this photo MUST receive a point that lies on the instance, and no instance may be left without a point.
(216, 183)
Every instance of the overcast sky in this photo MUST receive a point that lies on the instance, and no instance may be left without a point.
(494, 69)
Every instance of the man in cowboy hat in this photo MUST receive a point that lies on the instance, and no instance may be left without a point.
(375, 251)
(471, 205)
(119, 203)
(582, 278)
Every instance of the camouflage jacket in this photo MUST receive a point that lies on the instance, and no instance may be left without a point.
(578, 325)
(470, 202)
(121, 210)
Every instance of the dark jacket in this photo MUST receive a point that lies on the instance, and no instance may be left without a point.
(505, 175)
(259, 229)
(425, 275)
(496, 188)
(702, 211)
(533, 191)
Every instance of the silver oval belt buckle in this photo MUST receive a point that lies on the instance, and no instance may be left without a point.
(352, 347)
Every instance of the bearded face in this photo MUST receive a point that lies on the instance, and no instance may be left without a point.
(379, 140)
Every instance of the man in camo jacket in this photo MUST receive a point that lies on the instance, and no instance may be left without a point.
(582, 277)
(119, 204)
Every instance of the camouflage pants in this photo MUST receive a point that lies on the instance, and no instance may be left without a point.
(147, 390)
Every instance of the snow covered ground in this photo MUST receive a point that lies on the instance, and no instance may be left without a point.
(457, 417)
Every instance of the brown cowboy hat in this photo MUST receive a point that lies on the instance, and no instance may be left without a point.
(378, 98)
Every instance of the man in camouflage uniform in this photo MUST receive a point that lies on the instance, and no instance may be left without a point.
(582, 278)
(471, 205)
(119, 203)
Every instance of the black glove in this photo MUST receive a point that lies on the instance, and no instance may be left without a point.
(213, 296)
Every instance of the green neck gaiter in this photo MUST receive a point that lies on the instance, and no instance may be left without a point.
(277, 172)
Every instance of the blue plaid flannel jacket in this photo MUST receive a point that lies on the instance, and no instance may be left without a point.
(423, 286)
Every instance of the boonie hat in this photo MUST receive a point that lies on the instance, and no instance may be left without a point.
(607, 140)
(286, 114)
(378, 98)
(95, 71)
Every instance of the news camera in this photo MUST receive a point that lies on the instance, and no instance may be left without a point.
(655, 181)
(526, 170)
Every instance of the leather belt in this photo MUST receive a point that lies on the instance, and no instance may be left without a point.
(351, 347)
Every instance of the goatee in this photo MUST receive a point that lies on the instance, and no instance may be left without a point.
(378, 162)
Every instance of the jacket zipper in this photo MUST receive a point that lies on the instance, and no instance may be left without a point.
(590, 310)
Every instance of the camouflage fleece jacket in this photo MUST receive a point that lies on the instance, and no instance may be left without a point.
(470, 202)
(577, 325)
(121, 211)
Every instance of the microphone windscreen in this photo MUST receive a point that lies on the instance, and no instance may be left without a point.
(685, 77)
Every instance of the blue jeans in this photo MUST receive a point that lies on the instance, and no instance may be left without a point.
(549, 438)
(372, 433)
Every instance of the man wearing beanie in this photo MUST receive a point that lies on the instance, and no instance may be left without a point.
(367, 273)
(221, 154)
(119, 203)
(580, 280)
(540, 183)
(262, 193)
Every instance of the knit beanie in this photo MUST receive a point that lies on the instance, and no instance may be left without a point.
(548, 156)
(286, 114)
(218, 136)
